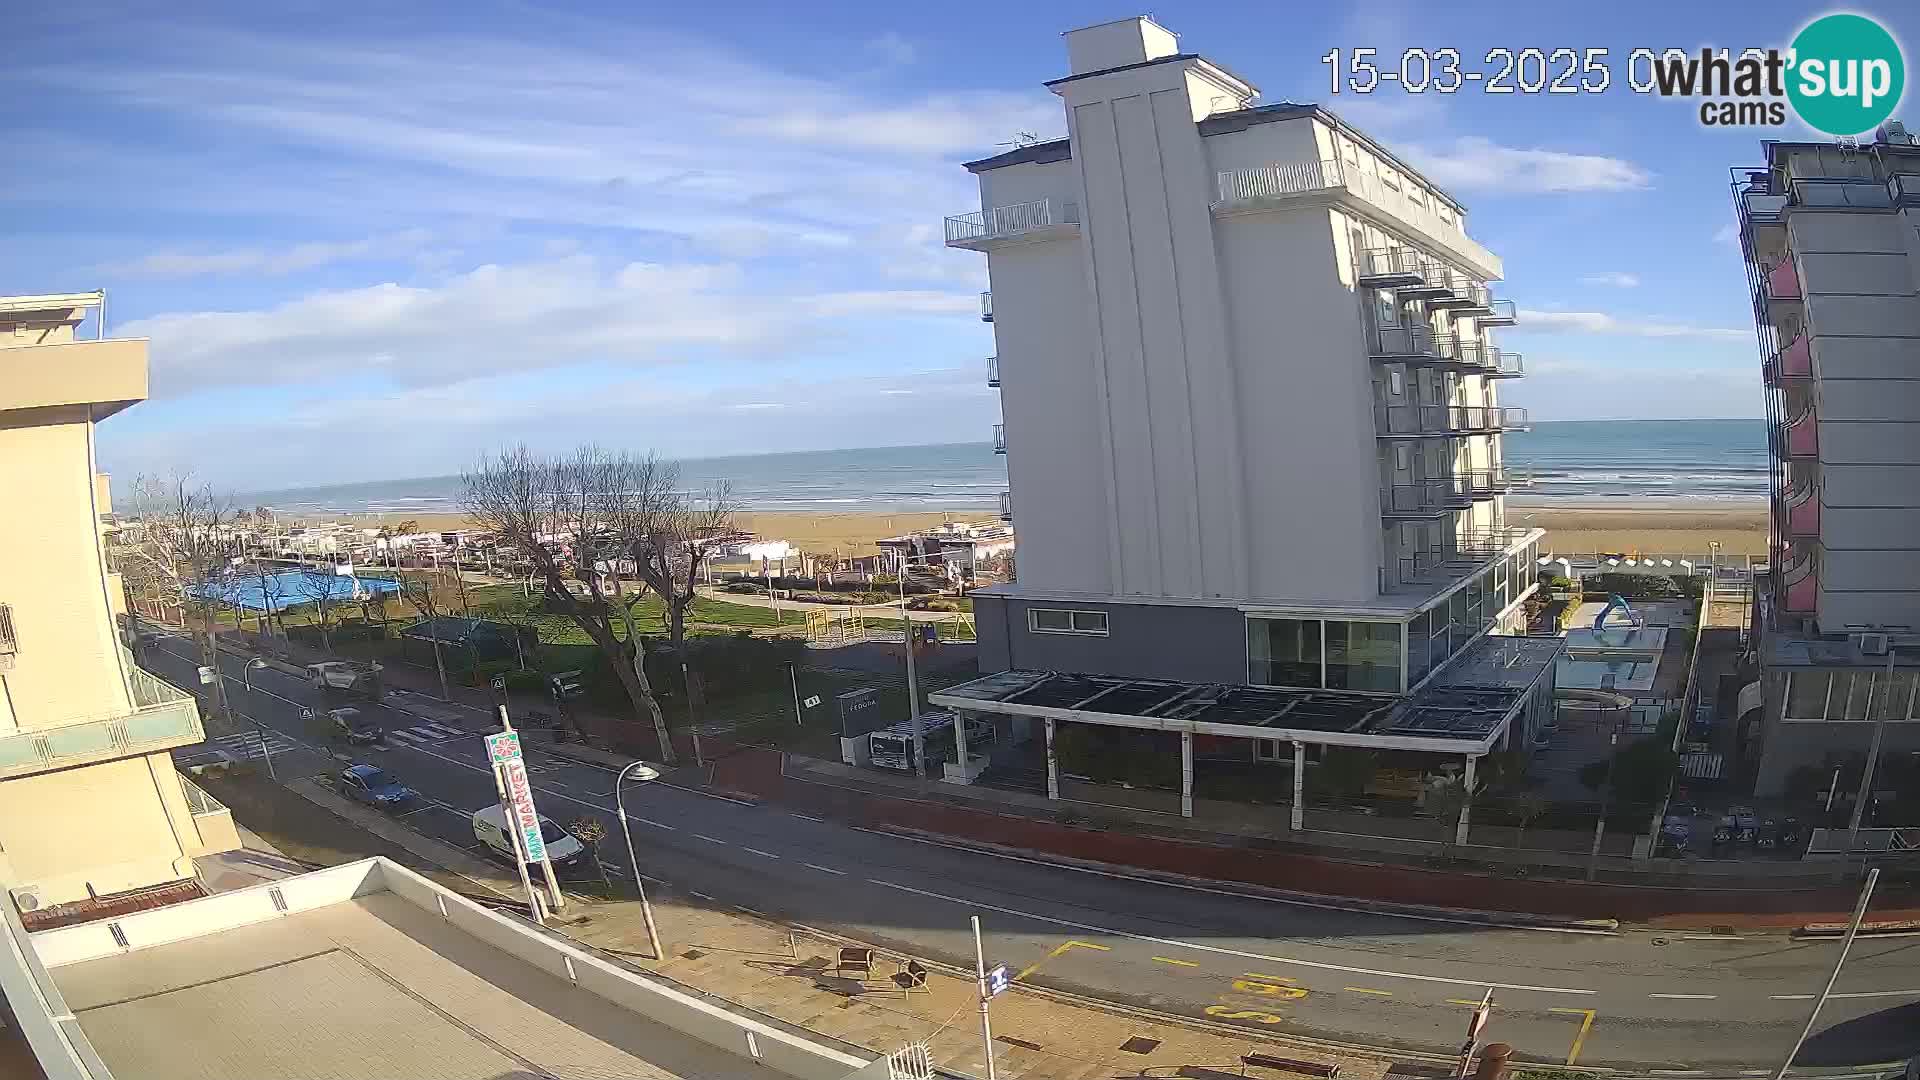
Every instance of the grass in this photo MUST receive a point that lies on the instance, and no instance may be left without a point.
(508, 603)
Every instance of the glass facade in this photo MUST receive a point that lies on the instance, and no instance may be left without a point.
(1284, 652)
(1363, 656)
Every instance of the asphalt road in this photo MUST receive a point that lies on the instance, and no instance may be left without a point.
(1674, 1002)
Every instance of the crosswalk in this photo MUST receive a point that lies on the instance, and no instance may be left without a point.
(421, 734)
(241, 746)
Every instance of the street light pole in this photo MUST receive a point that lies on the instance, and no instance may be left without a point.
(620, 802)
(980, 973)
(1853, 928)
(913, 689)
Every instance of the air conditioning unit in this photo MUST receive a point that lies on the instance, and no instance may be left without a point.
(27, 898)
(1872, 644)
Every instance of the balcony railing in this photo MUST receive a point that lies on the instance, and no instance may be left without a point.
(1452, 291)
(1802, 436)
(9, 644)
(1408, 420)
(1029, 219)
(1006, 506)
(986, 306)
(993, 371)
(198, 801)
(1803, 512)
(1801, 576)
(1793, 362)
(1395, 267)
(163, 717)
(1783, 280)
(999, 438)
(1246, 188)
(1425, 498)
(1501, 364)
(1487, 483)
(1414, 344)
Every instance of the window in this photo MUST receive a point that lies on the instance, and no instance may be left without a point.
(1363, 656)
(1418, 632)
(1283, 652)
(1397, 385)
(1066, 621)
(1401, 461)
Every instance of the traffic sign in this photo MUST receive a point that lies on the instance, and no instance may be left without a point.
(998, 981)
(499, 682)
(811, 700)
(306, 714)
(503, 749)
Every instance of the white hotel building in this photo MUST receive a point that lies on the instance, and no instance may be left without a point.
(1250, 390)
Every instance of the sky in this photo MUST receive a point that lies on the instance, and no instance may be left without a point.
(373, 241)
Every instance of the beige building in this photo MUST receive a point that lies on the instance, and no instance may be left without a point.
(90, 803)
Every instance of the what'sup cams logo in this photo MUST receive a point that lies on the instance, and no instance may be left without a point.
(1843, 75)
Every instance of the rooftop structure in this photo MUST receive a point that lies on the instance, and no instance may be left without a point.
(366, 970)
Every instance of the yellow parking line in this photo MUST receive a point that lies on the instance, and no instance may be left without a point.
(1061, 948)
(1580, 1039)
(1269, 978)
(1366, 990)
(1176, 963)
(1471, 1004)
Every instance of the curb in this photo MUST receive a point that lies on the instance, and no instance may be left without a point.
(1489, 918)
(1894, 928)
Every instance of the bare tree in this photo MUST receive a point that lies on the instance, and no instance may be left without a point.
(318, 591)
(567, 516)
(274, 598)
(417, 591)
(669, 543)
(177, 555)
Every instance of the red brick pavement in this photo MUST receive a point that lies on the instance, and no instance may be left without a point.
(758, 772)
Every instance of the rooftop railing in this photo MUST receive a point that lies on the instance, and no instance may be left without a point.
(1005, 222)
(999, 438)
(1284, 180)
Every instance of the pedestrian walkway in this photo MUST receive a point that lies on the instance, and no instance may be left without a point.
(426, 734)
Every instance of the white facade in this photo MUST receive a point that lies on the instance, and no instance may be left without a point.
(1243, 351)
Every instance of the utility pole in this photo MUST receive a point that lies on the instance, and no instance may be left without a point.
(794, 678)
(1873, 757)
(980, 973)
(913, 683)
(1853, 928)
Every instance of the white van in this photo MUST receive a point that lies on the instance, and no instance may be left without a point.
(490, 828)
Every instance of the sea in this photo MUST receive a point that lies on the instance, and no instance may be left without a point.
(1573, 462)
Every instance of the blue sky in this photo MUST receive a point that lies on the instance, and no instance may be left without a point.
(372, 241)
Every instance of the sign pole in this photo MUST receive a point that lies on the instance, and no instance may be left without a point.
(516, 799)
(1846, 946)
(980, 971)
(546, 860)
(519, 856)
(794, 678)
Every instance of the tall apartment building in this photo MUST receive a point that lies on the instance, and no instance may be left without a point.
(1831, 235)
(90, 803)
(1250, 390)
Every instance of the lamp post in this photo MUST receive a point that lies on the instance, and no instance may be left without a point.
(648, 772)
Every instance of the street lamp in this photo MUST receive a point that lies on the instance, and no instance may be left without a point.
(646, 772)
(913, 683)
(246, 673)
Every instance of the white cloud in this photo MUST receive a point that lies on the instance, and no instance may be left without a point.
(501, 318)
(1474, 163)
(1613, 279)
(1579, 390)
(281, 261)
(1727, 235)
(1594, 322)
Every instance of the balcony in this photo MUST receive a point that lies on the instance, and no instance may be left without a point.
(1793, 362)
(1501, 364)
(1419, 346)
(1802, 436)
(1273, 186)
(1482, 308)
(1424, 498)
(1415, 421)
(1453, 292)
(1783, 280)
(163, 717)
(993, 371)
(1802, 580)
(1006, 506)
(1027, 222)
(9, 644)
(1485, 484)
(1803, 512)
(212, 821)
(986, 306)
(1395, 268)
(1425, 572)
(999, 438)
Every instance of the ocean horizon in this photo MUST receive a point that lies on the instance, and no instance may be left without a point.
(1573, 462)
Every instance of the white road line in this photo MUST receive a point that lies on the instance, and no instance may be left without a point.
(1878, 994)
(704, 896)
(1238, 895)
(1790, 997)
(708, 839)
(825, 869)
(810, 817)
(757, 851)
(1218, 950)
(650, 821)
(1685, 997)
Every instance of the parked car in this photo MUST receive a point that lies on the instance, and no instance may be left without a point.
(356, 727)
(490, 828)
(375, 787)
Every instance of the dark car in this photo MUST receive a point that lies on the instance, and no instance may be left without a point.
(373, 786)
(356, 727)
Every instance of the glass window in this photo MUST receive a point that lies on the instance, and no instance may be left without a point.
(1417, 652)
(1052, 619)
(1893, 696)
(1284, 652)
(1457, 612)
(1807, 696)
(1861, 688)
(1363, 656)
(1089, 622)
(1476, 593)
(1066, 621)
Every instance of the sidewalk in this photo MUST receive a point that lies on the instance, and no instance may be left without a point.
(787, 974)
(888, 610)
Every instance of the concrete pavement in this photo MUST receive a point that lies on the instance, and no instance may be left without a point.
(1322, 972)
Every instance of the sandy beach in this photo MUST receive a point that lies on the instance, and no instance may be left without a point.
(1740, 528)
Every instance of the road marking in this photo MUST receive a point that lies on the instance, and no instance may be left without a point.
(810, 817)
(1064, 946)
(1291, 901)
(1367, 990)
(1685, 997)
(1269, 978)
(1177, 963)
(704, 896)
(650, 821)
(1878, 994)
(825, 869)
(1790, 997)
(708, 839)
(1223, 951)
(1579, 1039)
(757, 851)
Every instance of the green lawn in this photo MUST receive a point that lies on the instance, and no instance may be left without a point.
(508, 603)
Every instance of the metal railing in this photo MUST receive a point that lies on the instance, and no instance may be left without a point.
(198, 801)
(147, 729)
(1483, 482)
(1006, 506)
(1395, 263)
(986, 306)
(999, 438)
(9, 643)
(999, 222)
(1447, 419)
(1288, 179)
(1499, 313)
(993, 371)
(1411, 341)
(1425, 496)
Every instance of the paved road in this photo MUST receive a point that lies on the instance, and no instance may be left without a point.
(1685, 1001)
